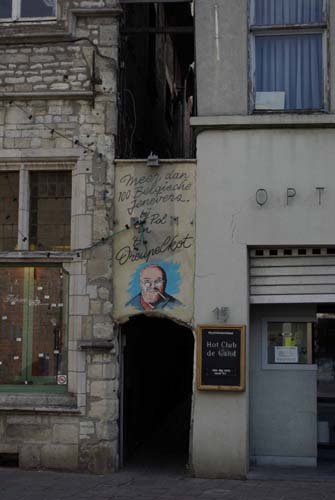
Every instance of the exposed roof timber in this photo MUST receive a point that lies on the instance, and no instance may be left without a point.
(182, 30)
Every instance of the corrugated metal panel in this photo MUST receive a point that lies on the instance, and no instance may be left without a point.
(292, 275)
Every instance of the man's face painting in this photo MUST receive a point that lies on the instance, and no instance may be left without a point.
(152, 284)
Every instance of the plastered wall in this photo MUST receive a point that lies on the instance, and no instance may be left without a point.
(232, 166)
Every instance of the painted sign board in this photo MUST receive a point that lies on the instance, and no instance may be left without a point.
(221, 357)
(153, 250)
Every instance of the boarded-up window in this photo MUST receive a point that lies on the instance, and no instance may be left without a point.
(33, 325)
(9, 196)
(50, 210)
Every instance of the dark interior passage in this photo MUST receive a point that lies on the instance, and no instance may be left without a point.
(158, 374)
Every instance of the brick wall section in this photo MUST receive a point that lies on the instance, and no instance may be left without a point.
(84, 437)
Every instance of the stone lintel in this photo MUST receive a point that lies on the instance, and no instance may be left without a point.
(39, 409)
(41, 256)
(96, 345)
(98, 12)
(52, 95)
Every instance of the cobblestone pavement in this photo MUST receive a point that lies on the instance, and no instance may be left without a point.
(153, 485)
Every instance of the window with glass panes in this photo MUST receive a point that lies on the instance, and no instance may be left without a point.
(33, 325)
(289, 342)
(288, 49)
(45, 221)
(50, 210)
(9, 210)
(27, 9)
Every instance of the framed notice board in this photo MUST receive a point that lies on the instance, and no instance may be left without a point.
(221, 357)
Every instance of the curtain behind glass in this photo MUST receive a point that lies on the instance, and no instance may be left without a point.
(291, 64)
(38, 8)
(5, 9)
(269, 12)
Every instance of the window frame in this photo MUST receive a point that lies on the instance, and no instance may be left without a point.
(24, 212)
(16, 14)
(37, 258)
(289, 29)
(264, 343)
(29, 382)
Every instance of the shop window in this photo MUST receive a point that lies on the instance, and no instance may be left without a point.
(288, 343)
(288, 40)
(33, 326)
(27, 9)
(9, 208)
(50, 210)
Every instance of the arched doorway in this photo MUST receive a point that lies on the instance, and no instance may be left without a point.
(157, 391)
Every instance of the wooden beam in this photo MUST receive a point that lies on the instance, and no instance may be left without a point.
(178, 30)
(156, 1)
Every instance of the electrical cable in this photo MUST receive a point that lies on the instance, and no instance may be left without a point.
(52, 129)
(102, 240)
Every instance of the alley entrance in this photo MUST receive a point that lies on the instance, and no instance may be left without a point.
(157, 391)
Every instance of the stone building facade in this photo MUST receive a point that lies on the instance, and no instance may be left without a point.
(59, 102)
(58, 84)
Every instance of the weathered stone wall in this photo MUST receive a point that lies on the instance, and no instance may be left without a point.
(35, 69)
(43, 436)
(52, 116)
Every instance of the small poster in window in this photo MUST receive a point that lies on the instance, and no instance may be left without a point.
(270, 100)
(286, 354)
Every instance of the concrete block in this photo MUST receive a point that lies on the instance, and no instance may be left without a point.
(107, 308)
(72, 381)
(75, 327)
(78, 194)
(9, 448)
(59, 456)
(99, 458)
(95, 371)
(29, 433)
(103, 293)
(100, 224)
(99, 265)
(109, 371)
(101, 357)
(81, 402)
(81, 231)
(2, 427)
(30, 457)
(78, 285)
(102, 389)
(65, 434)
(81, 383)
(87, 429)
(77, 361)
(107, 408)
(79, 305)
(92, 291)
(95, 307)
(24, 419)
(87, 326)
(102, 330)
(107, 430)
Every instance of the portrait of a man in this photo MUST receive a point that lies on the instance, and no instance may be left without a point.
(153, 295)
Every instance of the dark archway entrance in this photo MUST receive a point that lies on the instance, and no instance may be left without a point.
(157, 391)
